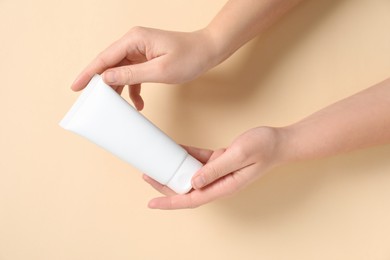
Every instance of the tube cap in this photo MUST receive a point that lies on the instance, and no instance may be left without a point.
(181, 181)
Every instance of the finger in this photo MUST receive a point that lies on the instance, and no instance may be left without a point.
(110, 57)
(158, 186)
(119, 89)
(216, 154)
(148, 71)
(225, 186)
(226, 163)
(173, 202)
(203, 155)
(135, 96)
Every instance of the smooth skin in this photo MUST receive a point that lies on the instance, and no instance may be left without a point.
(151, 55)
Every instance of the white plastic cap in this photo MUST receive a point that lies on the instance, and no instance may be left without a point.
(181, 181)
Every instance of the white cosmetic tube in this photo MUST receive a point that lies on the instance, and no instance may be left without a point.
(108, 120)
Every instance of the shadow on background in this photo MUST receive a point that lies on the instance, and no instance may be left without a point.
(277, 193)
(227, 89)
(288, 189)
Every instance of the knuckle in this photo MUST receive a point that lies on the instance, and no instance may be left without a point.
(101, 61)
(134, 34)
(212, 173)
(238, 153)
(137, 29)
(192, 202)
(127, 75)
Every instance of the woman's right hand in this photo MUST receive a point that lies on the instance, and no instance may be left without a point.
(151, 55)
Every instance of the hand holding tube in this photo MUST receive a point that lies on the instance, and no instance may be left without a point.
(150, 55)
(358, 121)
(103, 117)
(226, 171)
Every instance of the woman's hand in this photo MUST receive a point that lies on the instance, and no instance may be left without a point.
(226, 171)
(151, 55)
(358, 121)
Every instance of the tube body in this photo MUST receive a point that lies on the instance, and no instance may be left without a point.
(105, 118)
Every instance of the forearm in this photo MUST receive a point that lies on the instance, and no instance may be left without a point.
(359, 121)
(241, 20)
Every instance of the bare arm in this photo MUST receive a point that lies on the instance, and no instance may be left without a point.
(359, 121)
(241, 20)
(152, 55)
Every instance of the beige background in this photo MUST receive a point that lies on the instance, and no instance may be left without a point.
(61, 197)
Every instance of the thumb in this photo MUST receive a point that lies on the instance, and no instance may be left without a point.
(133, 74)
(225, 164)
(125, 75)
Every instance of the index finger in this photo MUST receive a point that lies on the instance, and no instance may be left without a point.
(203, 155)
(108, 58)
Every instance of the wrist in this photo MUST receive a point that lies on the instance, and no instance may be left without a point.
(271, 145)
(298, 143)
(218, 48)
(286, 148)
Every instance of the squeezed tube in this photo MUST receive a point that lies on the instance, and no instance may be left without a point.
(105, 118)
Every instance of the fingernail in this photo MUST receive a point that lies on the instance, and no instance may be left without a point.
(110, 76)
(152, 204)
(199, 182)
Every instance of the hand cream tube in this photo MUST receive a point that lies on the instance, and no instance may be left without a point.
(105, 118)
